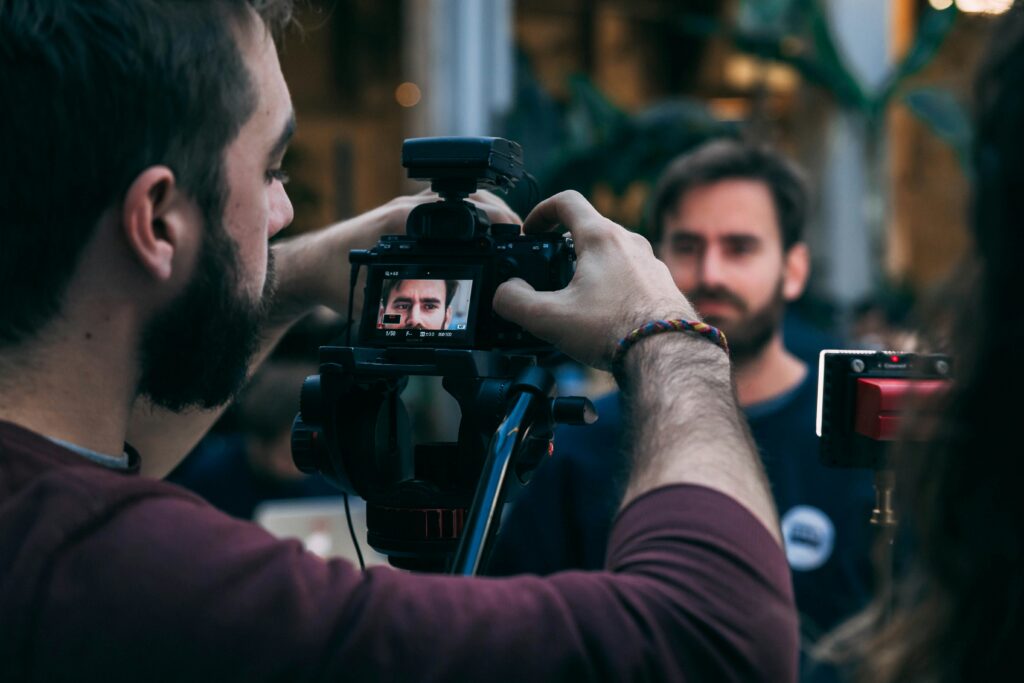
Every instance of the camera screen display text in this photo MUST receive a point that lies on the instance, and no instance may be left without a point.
(418, 305)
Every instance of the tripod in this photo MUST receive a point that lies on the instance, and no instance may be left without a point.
(430, 507)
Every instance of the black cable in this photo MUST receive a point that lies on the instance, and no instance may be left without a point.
(353, 277)
(352, 531)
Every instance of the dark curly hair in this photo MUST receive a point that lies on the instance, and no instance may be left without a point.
(93, 93)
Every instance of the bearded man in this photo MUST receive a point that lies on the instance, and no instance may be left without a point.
(142, 180)
(728, 221)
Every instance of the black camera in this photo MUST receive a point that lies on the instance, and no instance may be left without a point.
(427, 312)
(433, 286)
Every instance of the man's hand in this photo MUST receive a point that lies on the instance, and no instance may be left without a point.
(683, 424)
(618, 286)
(314, 269)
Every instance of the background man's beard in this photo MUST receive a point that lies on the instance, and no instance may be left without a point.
(197, 351)
(750, 333)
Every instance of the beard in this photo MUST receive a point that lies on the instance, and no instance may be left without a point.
(750, 333)
(197, 351)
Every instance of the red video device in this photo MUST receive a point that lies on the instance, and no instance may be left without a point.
(864, 398)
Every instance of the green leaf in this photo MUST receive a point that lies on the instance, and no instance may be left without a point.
(945, 116)
(698, 25)
(809, 47)
(592, 115)
(931, 33)
(767, 15)
(842, 81)
(636, 148)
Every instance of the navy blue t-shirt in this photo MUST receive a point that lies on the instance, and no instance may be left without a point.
(561, 520)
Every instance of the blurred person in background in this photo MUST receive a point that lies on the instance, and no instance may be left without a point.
(728, 221)
(246, 458)
(249, 460)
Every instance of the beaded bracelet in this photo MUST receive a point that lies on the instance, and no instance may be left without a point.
(712, 334)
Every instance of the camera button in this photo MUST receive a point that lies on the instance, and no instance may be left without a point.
(505, 231)
(507, 267)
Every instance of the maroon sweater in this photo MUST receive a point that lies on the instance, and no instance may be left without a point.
(111, 576)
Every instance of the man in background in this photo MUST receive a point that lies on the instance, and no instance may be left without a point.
(728, 221)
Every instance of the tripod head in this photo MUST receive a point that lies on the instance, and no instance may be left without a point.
(353, 429)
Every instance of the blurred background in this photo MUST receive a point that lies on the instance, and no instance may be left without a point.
(870, 96)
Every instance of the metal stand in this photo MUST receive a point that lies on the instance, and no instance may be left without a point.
(478, 534)
(430, 507)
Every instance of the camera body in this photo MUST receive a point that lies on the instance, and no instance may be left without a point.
(438, 293)
(433, 286)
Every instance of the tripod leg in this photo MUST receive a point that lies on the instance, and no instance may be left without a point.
(490, 493)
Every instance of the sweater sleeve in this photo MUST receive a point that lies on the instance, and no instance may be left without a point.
(169, 589)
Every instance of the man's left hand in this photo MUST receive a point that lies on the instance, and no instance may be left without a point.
(314, 269)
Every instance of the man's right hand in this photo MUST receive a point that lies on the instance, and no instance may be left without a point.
(685, 426)
(618, 286)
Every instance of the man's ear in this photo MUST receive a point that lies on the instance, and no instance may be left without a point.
(796, 269)
(152, 220)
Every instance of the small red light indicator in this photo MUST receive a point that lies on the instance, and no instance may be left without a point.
(894, 359)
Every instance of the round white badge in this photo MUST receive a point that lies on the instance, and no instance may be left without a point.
(809, 536)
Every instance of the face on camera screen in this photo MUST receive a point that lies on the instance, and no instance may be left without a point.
(424, 304)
